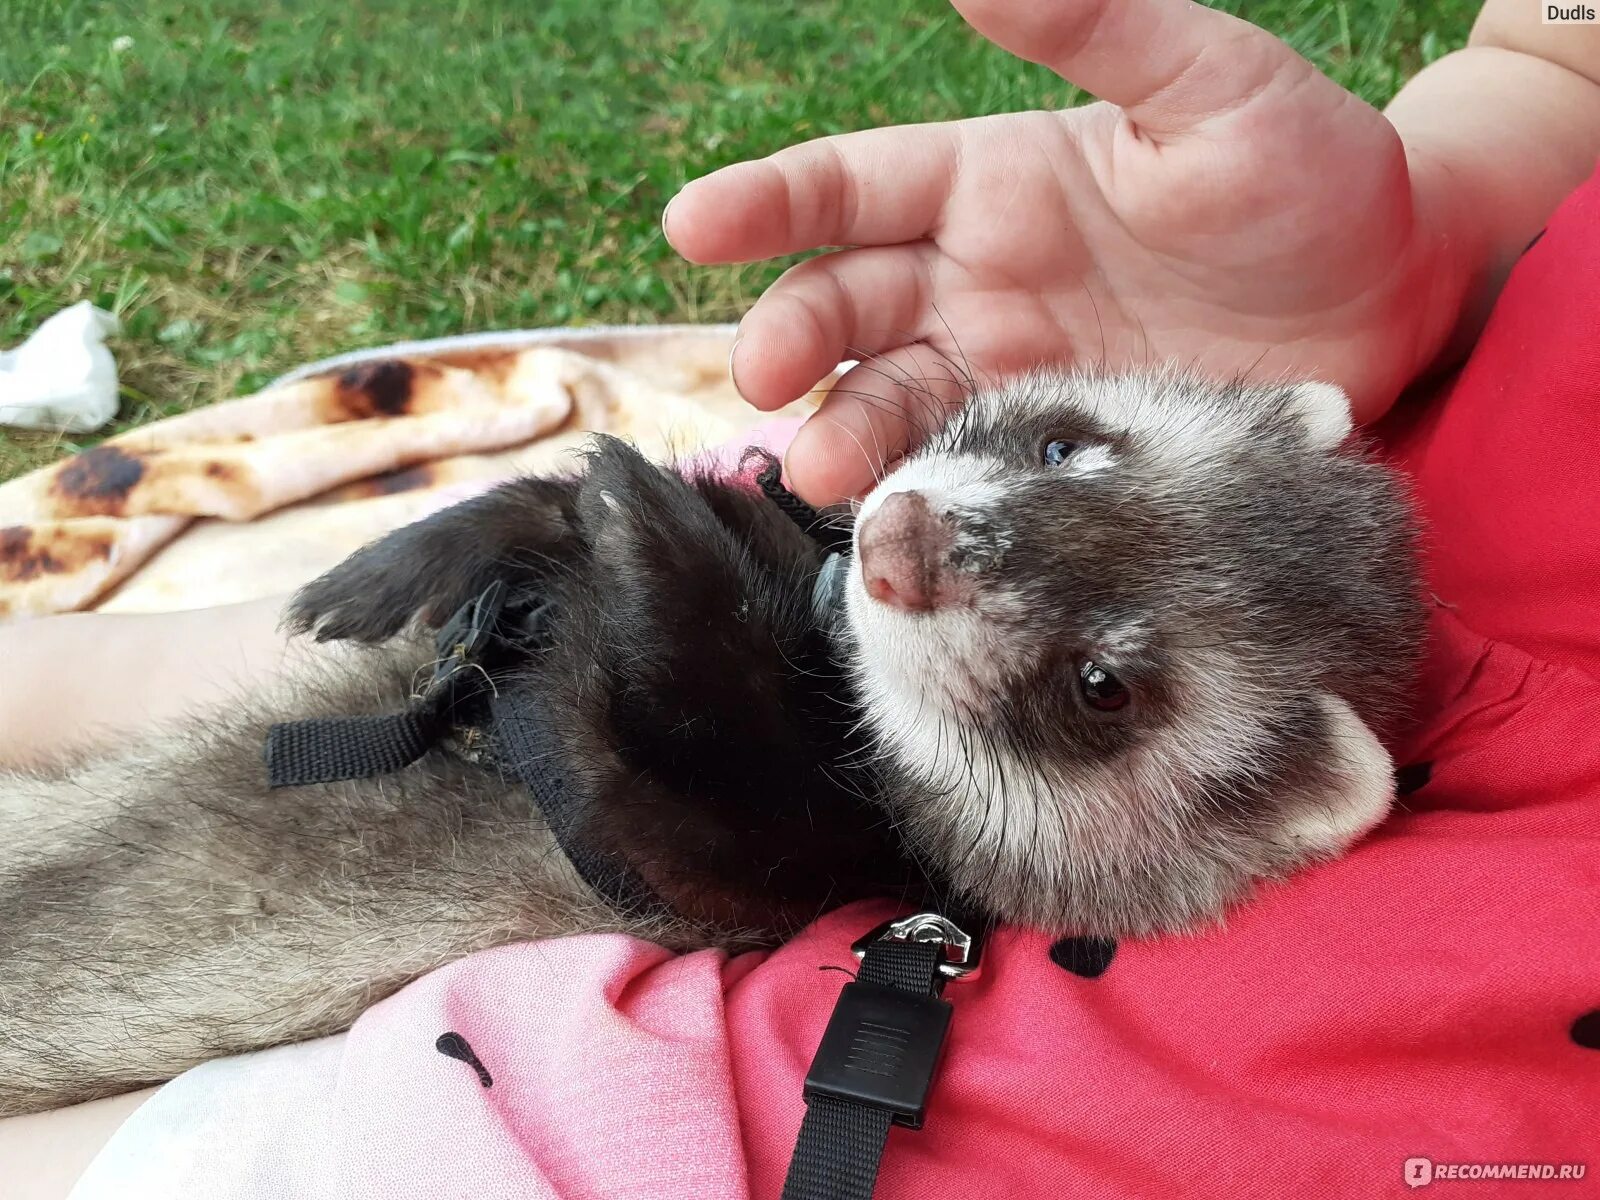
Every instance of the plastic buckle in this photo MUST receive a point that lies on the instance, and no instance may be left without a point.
(464, 636)
(827, 592)
(880, 1049)
(963, 951)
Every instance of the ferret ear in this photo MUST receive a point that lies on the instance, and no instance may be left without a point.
(1323, 410)
(1354, 790)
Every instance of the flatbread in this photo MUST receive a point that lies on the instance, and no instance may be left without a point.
(240, 460)
(256, 496)
(221, 562)
(61, 566)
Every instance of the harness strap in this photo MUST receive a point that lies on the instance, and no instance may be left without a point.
(471, 690)
(330, 749)
(837, 1154)
(527, 747)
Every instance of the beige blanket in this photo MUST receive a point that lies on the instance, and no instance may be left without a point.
(253, 497)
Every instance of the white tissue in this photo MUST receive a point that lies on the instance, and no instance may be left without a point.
(62, 378)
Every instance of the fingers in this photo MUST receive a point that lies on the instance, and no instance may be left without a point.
(1170, 64)
(840, 306)
(876, 187)
(877, 412)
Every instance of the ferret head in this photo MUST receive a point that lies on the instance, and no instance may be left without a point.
(1122, 642)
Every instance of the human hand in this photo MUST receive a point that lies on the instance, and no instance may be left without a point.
(1227, 206)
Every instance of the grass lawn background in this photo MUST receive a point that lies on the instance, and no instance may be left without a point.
(251, 184)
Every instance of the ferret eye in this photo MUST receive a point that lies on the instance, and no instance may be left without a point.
(1100, 688)
(1057, 452)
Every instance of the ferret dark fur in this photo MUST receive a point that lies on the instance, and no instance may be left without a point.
(1241, 577)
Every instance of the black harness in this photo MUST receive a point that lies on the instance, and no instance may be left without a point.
(329, 749)
(875, 1065)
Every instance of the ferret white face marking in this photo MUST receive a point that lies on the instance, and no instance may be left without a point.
(1121, 642)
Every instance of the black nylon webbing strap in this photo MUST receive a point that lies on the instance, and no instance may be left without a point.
(528, 746)
(331, 749)
(328, 749)
(907, 966)
(873, 1069)
(838, 1151)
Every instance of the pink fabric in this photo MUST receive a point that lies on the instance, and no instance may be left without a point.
(728, 459)
(622, 1090)
(1435, 994)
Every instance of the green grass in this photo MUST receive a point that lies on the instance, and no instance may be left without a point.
(254, 183)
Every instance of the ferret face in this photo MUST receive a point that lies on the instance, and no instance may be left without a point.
(1120, 640)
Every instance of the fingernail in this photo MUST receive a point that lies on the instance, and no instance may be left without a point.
(667, 212)
(783, 472)
(733, 378)
(800, 435)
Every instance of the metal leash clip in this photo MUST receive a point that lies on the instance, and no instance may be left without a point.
(963, 951)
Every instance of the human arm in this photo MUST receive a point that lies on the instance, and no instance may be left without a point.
(1497, 134)
(76, 680)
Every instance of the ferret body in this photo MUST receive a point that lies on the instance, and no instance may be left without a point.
(1110, 650)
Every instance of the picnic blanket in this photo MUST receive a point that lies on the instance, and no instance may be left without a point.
(253, 497)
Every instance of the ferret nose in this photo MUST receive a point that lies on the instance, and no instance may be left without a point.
(902, 547)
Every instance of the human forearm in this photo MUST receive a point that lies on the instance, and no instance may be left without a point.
(1497, 135)
(73, 681)
(43, 1155)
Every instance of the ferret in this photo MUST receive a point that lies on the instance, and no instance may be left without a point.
(1102, 655)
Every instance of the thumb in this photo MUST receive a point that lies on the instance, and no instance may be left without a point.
(1169, 64)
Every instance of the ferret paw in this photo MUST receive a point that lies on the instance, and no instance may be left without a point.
(518, 533)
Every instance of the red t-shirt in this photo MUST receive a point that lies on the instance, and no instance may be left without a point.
(1434, 994)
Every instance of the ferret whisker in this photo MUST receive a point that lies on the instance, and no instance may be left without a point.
(890, 407)
(969, 384)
